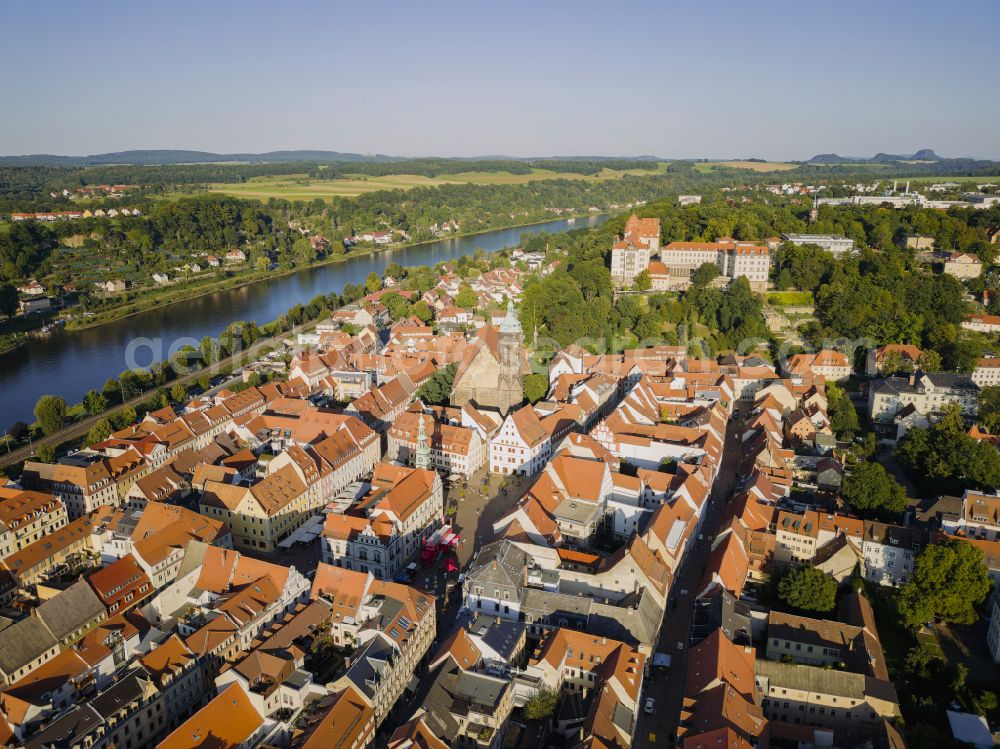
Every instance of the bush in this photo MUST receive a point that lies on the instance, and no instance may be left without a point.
(542, 705)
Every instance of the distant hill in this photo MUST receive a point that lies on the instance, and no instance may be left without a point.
(924, 154)
(172, 156)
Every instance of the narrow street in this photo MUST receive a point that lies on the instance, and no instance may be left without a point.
(667, 688)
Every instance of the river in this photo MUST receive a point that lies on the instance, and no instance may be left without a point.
(68, 363)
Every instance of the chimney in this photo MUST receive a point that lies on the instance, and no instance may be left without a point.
(913, 378)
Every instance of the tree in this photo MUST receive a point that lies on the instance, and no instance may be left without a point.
(95, 402)
(396, 304)
(704, 274)
(123, 417)
(9, 300)
(986, 703)
(437, 389)
(949, 580)
(869, 489)
(536, 386)
(100, 431)
(809, 589)
(944, 459)
(647, 326)
(926, 736)
(989, 408)
(843, 416)
(373, 283)
(466, 297)
(542, 704)
(18, 431)
(422, 311)
(50, 413)
(45, 453)
(930, 361)
(642, 281)
(178, 392)
(895, 363)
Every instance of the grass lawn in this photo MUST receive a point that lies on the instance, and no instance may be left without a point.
(302, 187)
(790, 298)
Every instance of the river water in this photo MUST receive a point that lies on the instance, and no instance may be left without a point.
(68, 363)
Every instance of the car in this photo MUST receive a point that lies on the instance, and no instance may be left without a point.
(649, 706)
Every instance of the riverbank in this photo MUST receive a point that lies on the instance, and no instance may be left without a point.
(68, 362)
(11, 341)
(187, 293)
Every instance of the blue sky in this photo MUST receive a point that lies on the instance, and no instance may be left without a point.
(717, 79)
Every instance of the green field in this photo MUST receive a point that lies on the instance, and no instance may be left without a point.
(790, 298)
(302, 187)
(753, 166)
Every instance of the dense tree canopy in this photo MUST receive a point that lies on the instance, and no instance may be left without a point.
(945, 459)
(871, 491)
(808, 589)
(535, 387)
(950, 578)
(437, 389)
(843, 416)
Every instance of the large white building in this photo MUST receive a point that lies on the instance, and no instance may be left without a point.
(521, 445)
(630, 255)
(928, 392)
(733, 259)
(834, 243)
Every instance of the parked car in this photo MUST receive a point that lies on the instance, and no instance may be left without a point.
(649, 706)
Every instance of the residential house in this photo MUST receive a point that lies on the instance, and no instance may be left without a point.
(962, 265)
(927, 392)
(387, 527)
(877, 357)
(28, 516)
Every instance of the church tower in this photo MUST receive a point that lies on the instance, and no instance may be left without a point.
(511, 344)
(422, 458)
(814, 212)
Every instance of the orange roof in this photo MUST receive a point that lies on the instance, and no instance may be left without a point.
(168, 659)
(349, 719)
(224, 723)
(461, 648)
(18, 505)
(345, 589)
(212, 634)
(716, 660)
(415, 735)
(249, 570)
(217, 569)
(529, 426)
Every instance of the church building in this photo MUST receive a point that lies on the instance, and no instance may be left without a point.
(490, 374)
